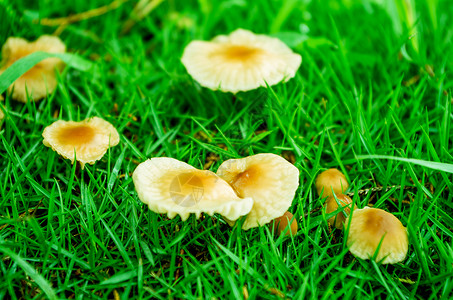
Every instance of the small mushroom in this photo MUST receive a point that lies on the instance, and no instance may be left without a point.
(173, 187)
(240, 61)
(370, 227)
(286, 224)
(87, 140)
(40, 80)
(331, 206)
(331, 181)
(268, 179)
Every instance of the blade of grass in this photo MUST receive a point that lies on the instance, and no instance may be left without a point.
(30, 270)
(21, 66)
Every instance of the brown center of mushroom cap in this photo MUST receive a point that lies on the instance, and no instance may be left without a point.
(238, 53)
(76, 135)
(187, 189)
(245, 180)
(376, 224)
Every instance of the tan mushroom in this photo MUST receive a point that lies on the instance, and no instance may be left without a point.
(370, 227)
(86, 141)
(40, 80)
(331, 181)
(285, 224)
(173, 187)
(268, 179)
(332, 205)
(240, 61)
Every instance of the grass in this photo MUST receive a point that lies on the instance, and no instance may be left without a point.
(71, 233)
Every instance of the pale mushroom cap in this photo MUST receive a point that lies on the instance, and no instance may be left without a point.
(268, 179)
(331, 179)
(331, 205)
(240, 61)
(368, 226)
(87, 140)
(173, 187)
(39, 80)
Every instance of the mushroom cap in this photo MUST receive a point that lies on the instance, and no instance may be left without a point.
(87, 140)
(240, 61)
(331, 205)
(371, 225)
(281, 223)
(40, 79)
(331, 179)
(269, 179)
(173, 187)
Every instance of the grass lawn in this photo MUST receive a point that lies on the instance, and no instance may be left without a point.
(364, 88)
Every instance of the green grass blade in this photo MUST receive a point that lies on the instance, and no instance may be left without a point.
(30, 270)
(429, 164)
(24, 64)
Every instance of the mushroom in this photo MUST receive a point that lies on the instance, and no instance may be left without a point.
(40, 80)
(281, 224)
(86, 141)
(370, 228)
(268, 179)
(173, 187)
(332, 205)
(331, 181)
(240, 61)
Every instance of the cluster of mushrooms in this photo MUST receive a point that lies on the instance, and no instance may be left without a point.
(371, 232)
(260, 187)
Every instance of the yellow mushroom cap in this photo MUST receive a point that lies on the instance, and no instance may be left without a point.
(240, 61)
(40, 79)
(371, 225)
(87, 140)
(282, 223)
(331, 205)
(173, 187)
(329, 180)
(268, 179)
